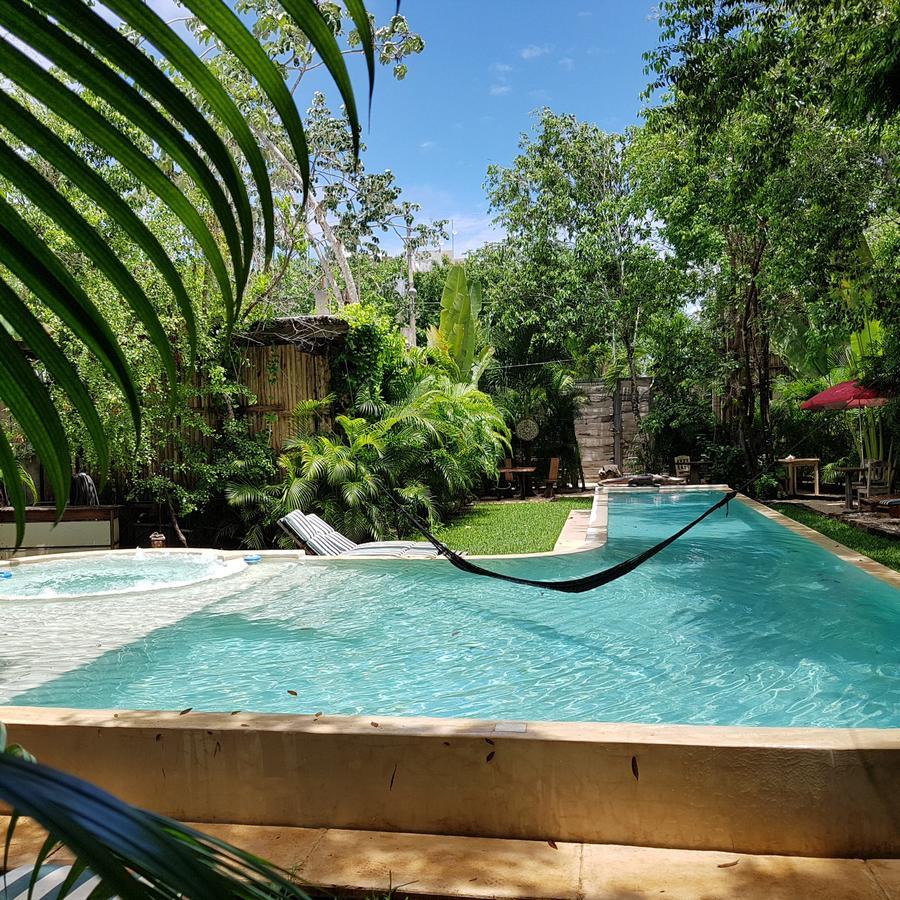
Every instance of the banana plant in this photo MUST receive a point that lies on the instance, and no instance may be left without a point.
(188, 125)
(458, 332)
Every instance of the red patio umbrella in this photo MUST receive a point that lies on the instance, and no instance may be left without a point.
(846, 395)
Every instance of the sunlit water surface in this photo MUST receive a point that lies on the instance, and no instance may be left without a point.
(740, 622)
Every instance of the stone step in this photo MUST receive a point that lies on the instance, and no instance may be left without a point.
(361, 863)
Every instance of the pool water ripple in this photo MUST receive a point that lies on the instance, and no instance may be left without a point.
(740, 622)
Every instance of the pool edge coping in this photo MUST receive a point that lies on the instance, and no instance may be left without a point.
(841, 551)
(439, 727)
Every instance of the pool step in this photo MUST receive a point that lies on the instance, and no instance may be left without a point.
(438, 866)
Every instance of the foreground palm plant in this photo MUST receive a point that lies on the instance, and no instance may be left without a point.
(192, 139)
(135, 853)
(55, 55)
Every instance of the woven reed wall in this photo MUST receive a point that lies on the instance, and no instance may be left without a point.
(278, 377)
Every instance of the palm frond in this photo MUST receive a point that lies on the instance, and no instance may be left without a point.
(121, 843)
(140, 109)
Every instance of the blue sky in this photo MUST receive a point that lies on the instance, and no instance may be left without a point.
(486, 67)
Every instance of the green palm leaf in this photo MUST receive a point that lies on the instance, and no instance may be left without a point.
(115, 95)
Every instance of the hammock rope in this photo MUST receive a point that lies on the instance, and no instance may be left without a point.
(598, 579)
(572, 585)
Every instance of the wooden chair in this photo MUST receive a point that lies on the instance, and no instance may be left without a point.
(683, 466)
(505, 483)
(552, 478)
(877, 481)
(875, 486)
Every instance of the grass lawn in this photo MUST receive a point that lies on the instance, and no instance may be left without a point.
(510, 526)
(881, 549)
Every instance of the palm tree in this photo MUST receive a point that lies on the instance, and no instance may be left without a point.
(429, 450)
(167, 120)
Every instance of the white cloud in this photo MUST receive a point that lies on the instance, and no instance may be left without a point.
(499, 90)
(501, 68)
(533, 51)
(567, 63)
(427, 145)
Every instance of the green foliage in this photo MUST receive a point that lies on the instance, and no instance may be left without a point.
(766, 487)
(458, 335)
(371, 358)
(510, 527)
(431, 449)
(550, 397)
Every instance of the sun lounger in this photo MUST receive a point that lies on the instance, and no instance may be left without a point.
(16, 884)
(889, 505)
(315, 534)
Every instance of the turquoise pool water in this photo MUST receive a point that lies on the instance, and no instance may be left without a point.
(741, 622)
(120, 573)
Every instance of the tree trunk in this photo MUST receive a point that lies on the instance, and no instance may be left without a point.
(336, 246)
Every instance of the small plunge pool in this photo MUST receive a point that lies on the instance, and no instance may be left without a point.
(111, 573)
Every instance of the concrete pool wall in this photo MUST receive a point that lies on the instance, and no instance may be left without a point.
(793, 791)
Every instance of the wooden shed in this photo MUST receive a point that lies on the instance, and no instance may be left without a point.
(285, 362)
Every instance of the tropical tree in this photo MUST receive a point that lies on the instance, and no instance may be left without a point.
(569, 206)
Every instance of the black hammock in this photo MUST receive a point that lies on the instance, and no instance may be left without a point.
(572, 585)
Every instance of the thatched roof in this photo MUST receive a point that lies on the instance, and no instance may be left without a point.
(313, 334)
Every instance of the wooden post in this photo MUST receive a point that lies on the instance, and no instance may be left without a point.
(617, 425)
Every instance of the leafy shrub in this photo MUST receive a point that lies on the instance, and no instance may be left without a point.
(766, 487)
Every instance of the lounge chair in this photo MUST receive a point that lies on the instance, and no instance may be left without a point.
(889, 505)
(16, 884)
(310, 532)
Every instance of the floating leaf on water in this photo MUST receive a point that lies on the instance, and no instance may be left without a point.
(184, 712)
(292, 693)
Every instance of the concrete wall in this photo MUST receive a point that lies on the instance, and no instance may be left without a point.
(811, 792)
(599, 420)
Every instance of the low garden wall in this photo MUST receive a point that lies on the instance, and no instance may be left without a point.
(810, 792)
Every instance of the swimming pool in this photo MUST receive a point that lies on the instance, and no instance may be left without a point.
(112, 573)
(740, 622)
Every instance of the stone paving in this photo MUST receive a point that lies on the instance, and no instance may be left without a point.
(354, 863)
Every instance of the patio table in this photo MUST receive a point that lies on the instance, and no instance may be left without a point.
(522, 473)
(849, 472)
(792, 464)
(697, 470)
